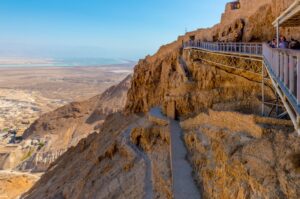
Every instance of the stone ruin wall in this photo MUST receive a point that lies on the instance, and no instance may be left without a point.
(248, 7)
(262, 29)
(248, 13)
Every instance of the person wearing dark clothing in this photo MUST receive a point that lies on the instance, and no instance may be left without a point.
(273, 43)
(294, 44)
(283, 42)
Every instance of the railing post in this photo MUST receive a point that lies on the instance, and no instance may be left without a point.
(281, 66)
(291, 74)
(256, 49)
(286, 69)
(298, 79)
(276, 62)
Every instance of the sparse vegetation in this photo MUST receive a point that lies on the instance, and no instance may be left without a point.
(40, 145)
(28, 154)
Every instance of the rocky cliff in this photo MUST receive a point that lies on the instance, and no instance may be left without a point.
(239, 156)
(156, 75)
(112, 164)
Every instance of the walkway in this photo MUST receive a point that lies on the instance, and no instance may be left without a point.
(238, 48)
(184, 185)
(148, 175)
(239, 56)
(281, 65)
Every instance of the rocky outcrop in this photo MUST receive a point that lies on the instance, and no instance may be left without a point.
(13, 184)
(212, 87)
(128, 156)
(156, 76)
(238, 156)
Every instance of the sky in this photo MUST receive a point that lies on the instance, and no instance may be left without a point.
(125, 29)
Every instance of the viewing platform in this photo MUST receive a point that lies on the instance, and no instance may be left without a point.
(239, 48)
(282, 66)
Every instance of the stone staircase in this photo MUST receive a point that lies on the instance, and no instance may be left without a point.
(185, 69)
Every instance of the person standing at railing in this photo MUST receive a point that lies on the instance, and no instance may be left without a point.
(283, 42)
(294, 44)
(273, 43)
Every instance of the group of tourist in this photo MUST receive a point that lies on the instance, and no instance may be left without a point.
(283, 43)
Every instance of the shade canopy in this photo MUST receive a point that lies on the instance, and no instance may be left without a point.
(290, 17)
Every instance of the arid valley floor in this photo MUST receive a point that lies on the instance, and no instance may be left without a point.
(27, 93)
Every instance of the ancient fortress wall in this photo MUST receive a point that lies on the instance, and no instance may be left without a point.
(247, 8)
(251, 22)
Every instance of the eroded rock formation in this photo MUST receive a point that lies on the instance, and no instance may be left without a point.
(238, 156)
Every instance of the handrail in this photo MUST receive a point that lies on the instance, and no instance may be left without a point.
(285, 64)
(230, 47)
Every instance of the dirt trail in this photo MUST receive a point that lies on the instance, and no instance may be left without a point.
(184, 185)
(149, 176)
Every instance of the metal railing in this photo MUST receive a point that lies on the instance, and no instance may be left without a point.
(227, 47)
(283, 66)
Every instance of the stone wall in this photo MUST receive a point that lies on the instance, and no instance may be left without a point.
(248, 7)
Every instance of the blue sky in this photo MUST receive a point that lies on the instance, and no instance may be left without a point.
(128, 29)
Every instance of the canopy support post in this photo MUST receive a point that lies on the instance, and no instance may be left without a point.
(277, 33)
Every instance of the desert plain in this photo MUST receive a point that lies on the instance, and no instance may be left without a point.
(26, 93)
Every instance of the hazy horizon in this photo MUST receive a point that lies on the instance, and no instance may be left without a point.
(98, 29)
(63, 62)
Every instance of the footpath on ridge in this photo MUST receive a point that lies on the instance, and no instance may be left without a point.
(149, 176)
(184, 185)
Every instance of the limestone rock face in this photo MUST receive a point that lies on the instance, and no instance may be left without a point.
(129, 158)
(13, 184)
(209, 87)
(101, 167)
(236, 156)
(231, 33)
(157, 74)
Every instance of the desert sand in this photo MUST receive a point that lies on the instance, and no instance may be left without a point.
(27, 93)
